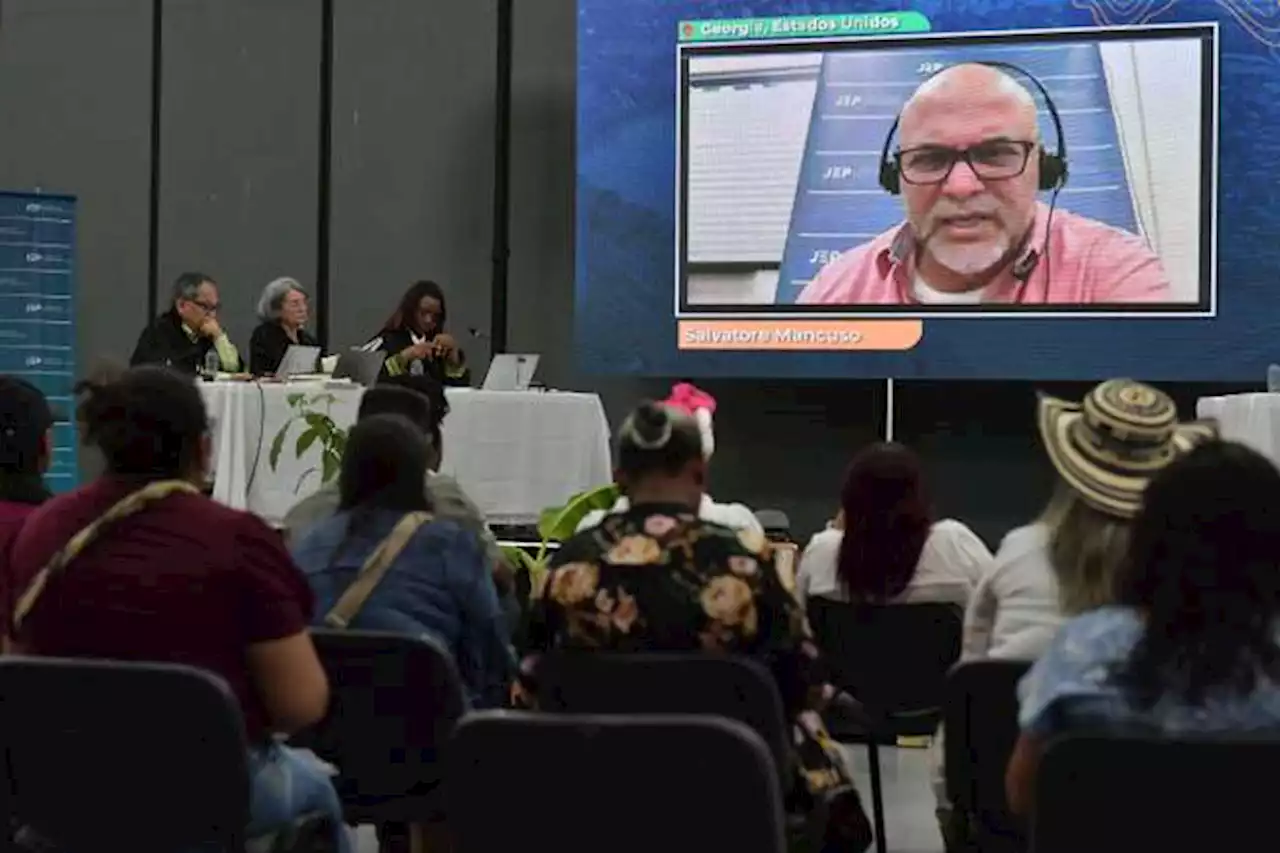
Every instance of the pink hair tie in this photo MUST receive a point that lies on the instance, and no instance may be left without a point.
(698, 404)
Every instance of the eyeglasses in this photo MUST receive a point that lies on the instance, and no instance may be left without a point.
(212, 309)
(994, 160)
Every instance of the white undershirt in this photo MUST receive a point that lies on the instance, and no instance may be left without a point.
(928, 296)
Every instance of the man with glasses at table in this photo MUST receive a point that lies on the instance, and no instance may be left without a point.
(969, 166)
(183, 336)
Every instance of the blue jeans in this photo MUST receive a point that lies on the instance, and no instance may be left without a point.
(286, 783)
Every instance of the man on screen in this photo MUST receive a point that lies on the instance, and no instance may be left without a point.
(969, 162)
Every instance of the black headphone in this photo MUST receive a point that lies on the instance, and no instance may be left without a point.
(1053, 167)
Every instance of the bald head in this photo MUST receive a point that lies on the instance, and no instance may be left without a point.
(964, 91)
(969, 177)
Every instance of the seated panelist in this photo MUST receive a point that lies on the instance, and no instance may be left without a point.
(415, 340)
(283, 310)
(183, 336)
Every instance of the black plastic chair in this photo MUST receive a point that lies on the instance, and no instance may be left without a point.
(776, 524)
(981, 727)
(1119, 794)
(106, 756)
(625, 784)
(395, 702)
(669, 683)
(893, 659)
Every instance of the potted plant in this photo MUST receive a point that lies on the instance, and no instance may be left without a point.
(318, 429)
(557, 524)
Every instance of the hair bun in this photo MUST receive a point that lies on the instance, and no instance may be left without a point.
(650, 426)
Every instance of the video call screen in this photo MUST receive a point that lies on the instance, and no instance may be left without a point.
(968, 190)
(784, 147)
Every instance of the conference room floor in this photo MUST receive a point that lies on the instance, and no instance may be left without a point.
(908, 800)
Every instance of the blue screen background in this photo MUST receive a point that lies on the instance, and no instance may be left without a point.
(626, 200)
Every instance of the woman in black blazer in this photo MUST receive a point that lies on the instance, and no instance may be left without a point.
(415, 340)
(283, 311)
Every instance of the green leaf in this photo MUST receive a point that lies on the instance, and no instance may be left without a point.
(305, 440)
(331, 463)
(320, 423)
(338, 442)
(323, 397)
(277, 445)
(295, 399)
(558, 525)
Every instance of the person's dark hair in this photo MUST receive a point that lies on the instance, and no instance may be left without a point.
(657, 439)
(886, 522)
(406, 312)
(384, 465)
(187, 285)
(148, 423)
(25, 421)
(393, 400)
(426, 385)
(1204, 570)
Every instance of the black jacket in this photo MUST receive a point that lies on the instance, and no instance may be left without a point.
(269, 343)
(165, 342)
(392, 341)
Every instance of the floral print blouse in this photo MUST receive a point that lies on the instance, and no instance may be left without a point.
(656, 577)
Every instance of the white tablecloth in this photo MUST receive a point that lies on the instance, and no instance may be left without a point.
(518, 452)
(514, 452)
(246, 417)
(1252, 419)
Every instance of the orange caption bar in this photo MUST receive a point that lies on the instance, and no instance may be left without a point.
(799, 335)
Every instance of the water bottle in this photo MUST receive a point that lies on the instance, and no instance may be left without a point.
(1273, 378)
(212, 364)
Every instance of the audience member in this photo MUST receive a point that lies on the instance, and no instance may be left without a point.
(701, 406)
(26, 448)
(415, 340)
(658, 578)
(139, 566)
(886, 547)
(431, 575)
(1191, 646)
(183, 336)
(421, 400)
(1066, 563)
(282, 308)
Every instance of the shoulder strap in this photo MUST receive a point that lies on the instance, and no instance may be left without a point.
(126, 506)
(374, 569)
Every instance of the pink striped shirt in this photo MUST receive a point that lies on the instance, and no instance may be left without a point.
(1088, 262)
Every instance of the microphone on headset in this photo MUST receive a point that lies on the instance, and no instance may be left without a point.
(1025, 265)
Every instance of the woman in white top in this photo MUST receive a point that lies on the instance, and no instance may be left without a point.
(1105, 450)
(885, 546)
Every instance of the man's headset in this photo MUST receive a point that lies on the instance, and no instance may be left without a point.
(1053, 167)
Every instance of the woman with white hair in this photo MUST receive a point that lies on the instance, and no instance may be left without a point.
(282, 308)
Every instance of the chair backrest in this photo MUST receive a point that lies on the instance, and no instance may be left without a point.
(981, 719)
(776, 523)
(893, 658)
(107, 756)
(395, 702)
(1108, 794)
(626, 784)
(668, 683)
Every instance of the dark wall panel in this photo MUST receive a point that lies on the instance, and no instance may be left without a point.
(413, 161)
(239, 147)
(75, 92)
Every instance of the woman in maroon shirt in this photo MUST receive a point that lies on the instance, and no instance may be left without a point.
(169, 576)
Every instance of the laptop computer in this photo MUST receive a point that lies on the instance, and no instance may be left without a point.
(510, 372)
(298, 361)
(360, 366)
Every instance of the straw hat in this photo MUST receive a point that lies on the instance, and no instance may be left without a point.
(1109, 446)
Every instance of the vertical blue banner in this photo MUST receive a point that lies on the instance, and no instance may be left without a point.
(37, 311)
